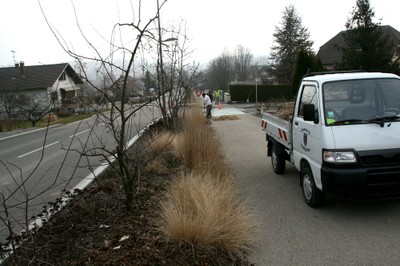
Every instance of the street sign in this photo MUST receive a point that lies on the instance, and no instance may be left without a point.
(198, 93)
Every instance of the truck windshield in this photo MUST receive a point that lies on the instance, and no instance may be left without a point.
(361, 101)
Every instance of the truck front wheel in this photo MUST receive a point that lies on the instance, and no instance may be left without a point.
(278, 162)
(312, 195)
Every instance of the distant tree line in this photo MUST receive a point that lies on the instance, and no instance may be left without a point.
(291, 55)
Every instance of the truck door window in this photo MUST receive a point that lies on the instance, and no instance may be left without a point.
(390, 93)
(309, 95)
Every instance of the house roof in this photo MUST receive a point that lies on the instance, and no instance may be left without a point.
(329, 53)
(21, 77)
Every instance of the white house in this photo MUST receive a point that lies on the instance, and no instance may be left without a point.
(53, 85)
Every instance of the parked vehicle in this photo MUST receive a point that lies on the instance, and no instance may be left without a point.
(343, 137)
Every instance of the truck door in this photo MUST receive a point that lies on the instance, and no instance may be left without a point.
(307, 134)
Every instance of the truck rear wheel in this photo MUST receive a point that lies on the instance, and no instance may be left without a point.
(312, 195)
(278, 162)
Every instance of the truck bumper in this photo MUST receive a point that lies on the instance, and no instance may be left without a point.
(365, 181)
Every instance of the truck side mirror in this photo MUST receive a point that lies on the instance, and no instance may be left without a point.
(309, 113)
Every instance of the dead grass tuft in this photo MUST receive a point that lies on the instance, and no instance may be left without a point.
(199, 148)
(158, 166)
(201, 210)
(162, 142)
(281, 108)
(226, 117)
(162, 148)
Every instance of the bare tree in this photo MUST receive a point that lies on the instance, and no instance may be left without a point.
(22, 192)
(126, 60)
(180, 77)
(220, 72)
(242, 60)
(34, 108)
(7, 107)
(122, 120)
(8, 104)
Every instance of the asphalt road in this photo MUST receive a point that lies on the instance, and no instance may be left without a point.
(343, 232)
(36, 166)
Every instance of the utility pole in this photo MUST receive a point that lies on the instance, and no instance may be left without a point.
(256, 85)
(13, 55)
(161, 67)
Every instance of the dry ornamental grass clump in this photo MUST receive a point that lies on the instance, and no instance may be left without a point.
(162, 147)
(201, 210)
(201, 207)
(199, 148)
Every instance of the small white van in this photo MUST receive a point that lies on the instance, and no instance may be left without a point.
(344, 136)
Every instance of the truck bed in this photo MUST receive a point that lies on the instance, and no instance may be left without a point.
(276, 128)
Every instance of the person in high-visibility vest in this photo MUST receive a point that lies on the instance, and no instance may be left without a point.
(217, 96)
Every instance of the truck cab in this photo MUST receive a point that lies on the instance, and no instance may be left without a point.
(344, 136)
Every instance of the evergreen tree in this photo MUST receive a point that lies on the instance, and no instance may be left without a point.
(306, 62)
(290, 37)
(367, 47)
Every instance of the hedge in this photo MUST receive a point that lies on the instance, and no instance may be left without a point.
(242, 92)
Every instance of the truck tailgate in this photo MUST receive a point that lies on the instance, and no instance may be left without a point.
(276, 128)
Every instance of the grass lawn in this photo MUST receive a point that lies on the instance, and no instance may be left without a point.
(22, 124)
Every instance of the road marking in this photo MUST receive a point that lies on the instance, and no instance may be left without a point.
(23, 155)
(79, 133)
(55, 194)
(80, 121)
(27, 132)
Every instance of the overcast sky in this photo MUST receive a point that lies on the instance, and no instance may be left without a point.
(212, 25)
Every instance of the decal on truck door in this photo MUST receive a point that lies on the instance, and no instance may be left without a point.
(306, 133)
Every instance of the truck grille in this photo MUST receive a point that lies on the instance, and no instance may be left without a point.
(380, 157)
(384, 176)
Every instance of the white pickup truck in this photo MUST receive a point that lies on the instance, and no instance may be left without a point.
(343, 137)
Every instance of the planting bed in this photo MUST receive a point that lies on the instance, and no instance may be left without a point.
(96, 229)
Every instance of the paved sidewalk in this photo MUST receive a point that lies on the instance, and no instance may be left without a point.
(225, 109)
(244, 145)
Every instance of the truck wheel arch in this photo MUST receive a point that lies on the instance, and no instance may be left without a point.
(315, 197)
(303, 163)
(278, 156)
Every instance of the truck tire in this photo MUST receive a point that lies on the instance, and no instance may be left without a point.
(278, 162)
(312, 195)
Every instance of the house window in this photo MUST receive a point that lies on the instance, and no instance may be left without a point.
(21, 98)
(62, 77)
(54, 96)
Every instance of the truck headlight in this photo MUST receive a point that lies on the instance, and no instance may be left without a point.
(335, 156)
